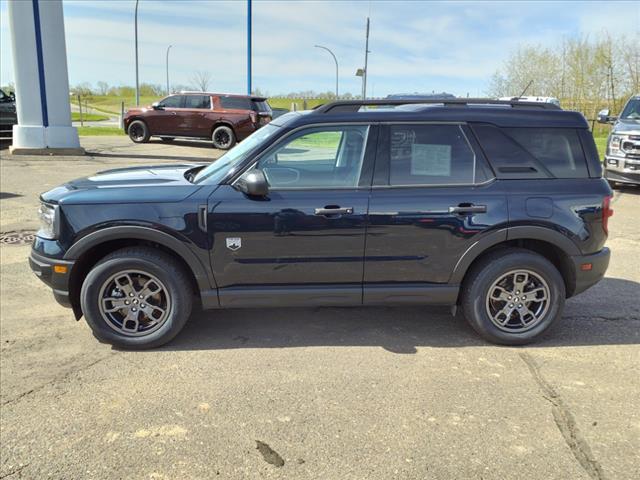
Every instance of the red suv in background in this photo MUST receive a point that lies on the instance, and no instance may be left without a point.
(225, 119)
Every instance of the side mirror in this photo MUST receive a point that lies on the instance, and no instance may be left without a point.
(604, 117)
(157, 106)
(253, 183)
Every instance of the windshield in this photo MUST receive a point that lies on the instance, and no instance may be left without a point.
(632, 110)
(234, 157)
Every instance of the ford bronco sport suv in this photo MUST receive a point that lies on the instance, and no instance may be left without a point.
(499, 208)
(622, 158)
(224, 119)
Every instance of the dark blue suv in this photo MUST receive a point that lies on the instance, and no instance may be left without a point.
(499, 208)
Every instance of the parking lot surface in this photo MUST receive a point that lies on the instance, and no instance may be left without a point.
(331, 393)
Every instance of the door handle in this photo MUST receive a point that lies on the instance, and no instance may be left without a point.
(331, 210)
(466, 209)
(174, 113)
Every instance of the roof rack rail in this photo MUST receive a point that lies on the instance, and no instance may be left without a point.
(345, 106)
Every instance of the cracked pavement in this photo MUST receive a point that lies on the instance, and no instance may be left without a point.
(344, 393)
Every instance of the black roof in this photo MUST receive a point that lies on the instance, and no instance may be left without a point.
(500, 113)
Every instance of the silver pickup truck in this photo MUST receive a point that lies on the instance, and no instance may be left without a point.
(622, 158)
(8, 117)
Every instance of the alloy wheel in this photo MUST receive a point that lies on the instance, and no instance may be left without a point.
(518, 301)
(134, 303)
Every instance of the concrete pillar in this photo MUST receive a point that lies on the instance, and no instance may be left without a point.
(41, 78)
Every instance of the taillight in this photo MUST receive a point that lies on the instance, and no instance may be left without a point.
(607, 212)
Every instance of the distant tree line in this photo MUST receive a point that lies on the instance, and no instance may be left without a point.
(585, 73)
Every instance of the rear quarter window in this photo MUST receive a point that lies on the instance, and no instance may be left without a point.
(526, 152)
(236, 103)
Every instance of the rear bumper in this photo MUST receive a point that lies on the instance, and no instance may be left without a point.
(587, 278)
(43, 267)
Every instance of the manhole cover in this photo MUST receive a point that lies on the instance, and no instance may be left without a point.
(20, 237)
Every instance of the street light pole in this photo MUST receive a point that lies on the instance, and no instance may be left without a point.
(136, 33)
(366, 71)
(335, 60)
(168, 48)
(248, 47)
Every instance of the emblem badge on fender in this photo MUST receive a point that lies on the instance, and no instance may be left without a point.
(234, 243)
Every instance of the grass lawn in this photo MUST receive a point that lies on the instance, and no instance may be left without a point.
(88, 117)
(601, 143)
(111, 104)
(99, 131)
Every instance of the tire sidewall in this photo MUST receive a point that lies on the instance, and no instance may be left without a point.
(179, 310)
(229, 130)
(475, 301)
(145, 128)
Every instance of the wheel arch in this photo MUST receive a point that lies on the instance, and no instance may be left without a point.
(90, 249)
(551, 244)
(224, 123)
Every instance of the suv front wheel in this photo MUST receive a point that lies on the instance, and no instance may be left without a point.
(512, 296)
(139, 132)
(136, 298)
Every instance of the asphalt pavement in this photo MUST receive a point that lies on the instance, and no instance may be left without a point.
(310, 393)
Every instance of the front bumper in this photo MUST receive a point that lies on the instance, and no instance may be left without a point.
(623, 170)
(587, 278)
(58, 280)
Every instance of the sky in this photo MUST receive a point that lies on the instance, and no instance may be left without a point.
(416, 46)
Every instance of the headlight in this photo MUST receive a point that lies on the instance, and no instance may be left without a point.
(614, 145)
(48, 215)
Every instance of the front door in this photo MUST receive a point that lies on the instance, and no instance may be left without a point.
(303, 243)
(166, 120)
(432, 198)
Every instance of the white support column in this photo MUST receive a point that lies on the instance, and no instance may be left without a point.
(41, 78)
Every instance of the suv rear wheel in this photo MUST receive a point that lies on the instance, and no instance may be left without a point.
(223, 137)
(136, 298)
(139, 132)
(512, 296)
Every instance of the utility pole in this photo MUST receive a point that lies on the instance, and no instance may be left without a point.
(366, 58)
(248, 47)
(168, 89)
(335, 60)
(137, 81)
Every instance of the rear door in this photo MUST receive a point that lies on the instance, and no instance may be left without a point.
(196, 116)
(304, 243)
(433, 197)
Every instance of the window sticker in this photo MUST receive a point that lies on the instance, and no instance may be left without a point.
(431, 159)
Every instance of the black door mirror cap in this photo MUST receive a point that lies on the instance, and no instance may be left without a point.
(157, 106)
(253, 183)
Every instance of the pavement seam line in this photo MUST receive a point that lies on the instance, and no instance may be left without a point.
(55, 380)
(565, 421)
(17, 470)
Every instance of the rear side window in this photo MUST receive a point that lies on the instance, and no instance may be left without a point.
(533, 152)
(558, 149)
(235, 103)
(430, 155)
(198, 101)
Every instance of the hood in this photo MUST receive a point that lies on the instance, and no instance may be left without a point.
(138, 110)
(627, 126)
(159, 183)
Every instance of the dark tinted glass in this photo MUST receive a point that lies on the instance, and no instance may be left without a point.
(558, 149)
(261, 106)
(430, 155)
(237, 103)
(175, 101)
(198, 101)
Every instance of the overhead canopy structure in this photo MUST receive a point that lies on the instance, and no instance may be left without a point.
(41, 78)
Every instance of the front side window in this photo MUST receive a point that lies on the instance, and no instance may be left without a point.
(198, 101)
(430, 155)
(175, 101)
(319, 157)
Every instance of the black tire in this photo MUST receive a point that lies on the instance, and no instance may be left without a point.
(223, 137)
(167, 139)
(497, 265)
(138, 132)
(153, 263)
